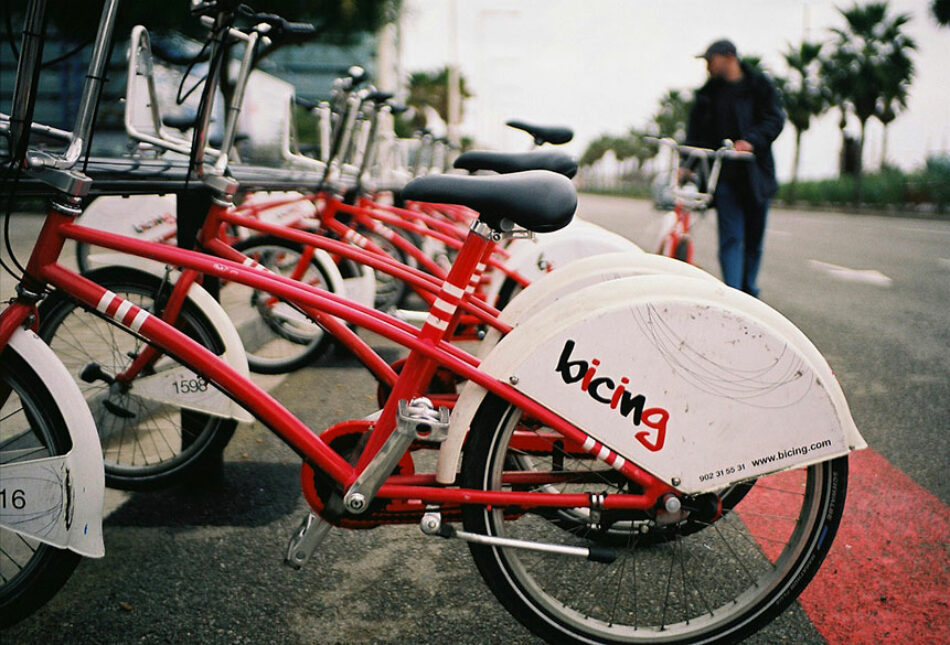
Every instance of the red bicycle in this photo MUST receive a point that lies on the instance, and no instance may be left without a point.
(577, 472)
(692, 175)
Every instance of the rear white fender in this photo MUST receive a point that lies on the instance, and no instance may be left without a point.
(582, 273)
(61, 496)
(536, 257)
(697, 383)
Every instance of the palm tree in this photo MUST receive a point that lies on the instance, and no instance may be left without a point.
(861, 68)
(802, 93)
(673, 115)
(431, 89)
(897, 72)
(941, 11)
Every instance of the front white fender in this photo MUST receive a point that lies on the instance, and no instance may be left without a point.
(211, 401)
(145, 217)
(697, 383)
(62, 496)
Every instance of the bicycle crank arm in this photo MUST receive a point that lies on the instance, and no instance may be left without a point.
(305, 540)
(432, 525)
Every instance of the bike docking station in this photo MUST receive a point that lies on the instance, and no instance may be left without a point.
(621, 411)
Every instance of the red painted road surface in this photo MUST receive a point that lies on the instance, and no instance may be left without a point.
(887, 576)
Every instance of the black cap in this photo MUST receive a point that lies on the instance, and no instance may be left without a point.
(724, 47)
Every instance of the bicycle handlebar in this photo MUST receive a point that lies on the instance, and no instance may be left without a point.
(726, 151)
(696, 155)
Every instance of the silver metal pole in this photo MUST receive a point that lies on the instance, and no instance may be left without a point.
(27, 77)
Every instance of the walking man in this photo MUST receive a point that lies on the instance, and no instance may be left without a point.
(741, 104)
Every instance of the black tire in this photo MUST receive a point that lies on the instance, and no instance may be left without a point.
(711, 586)
(684, 250)
(277, 338)
(82, 256)
(509, 289)
(164, 446)
(32, 427)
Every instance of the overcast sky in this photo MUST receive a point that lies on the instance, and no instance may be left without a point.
(601, 66)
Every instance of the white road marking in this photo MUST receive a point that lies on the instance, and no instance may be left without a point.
(868, 276)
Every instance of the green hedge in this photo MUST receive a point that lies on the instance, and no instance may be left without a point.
(891, 187)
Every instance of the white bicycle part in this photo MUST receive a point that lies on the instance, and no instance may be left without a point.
(583, 273)
(159, 387)
(699, 384)
(63, 495)
(534, 258)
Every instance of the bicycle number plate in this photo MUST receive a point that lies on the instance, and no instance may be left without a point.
(181, 387)
(35, 498)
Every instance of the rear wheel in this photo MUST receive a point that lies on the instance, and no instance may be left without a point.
(718, 584)
(31, 427)
(145, 443)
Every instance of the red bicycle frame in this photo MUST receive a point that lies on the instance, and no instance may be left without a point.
(429, 349)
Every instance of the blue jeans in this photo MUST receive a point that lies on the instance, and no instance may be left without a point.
(741, 222)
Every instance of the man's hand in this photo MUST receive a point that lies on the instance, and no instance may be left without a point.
(743, 146)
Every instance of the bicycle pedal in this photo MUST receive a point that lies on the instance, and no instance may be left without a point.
(421, 418)
(305, 540)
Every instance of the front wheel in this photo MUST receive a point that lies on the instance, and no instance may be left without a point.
(31, 427)
(715, 585)
(146, 443)
(684, 250)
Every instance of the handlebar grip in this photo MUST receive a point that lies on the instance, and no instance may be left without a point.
(299, 28)
(283, 30)
(306, 104)
(737, 154)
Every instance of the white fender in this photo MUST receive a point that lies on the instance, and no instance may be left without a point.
(62, 495)
(152, 218)
(361, 288)
(144, 217)
(288, 214)
(159, 386)
(697, 383)
(536, 257)
(667, 223)
(582, 273)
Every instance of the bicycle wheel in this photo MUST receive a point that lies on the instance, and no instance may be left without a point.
(277, 337)
(684, 250)
(145, 444)
(31, 427)
(719, 584)
(82, 256)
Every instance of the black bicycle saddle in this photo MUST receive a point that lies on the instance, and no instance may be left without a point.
(507, 162)
(538, 200)
(544, 134)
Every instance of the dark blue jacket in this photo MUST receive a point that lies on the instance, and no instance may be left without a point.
(760, 118)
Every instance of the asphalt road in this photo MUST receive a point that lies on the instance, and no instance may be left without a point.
(201, 563)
